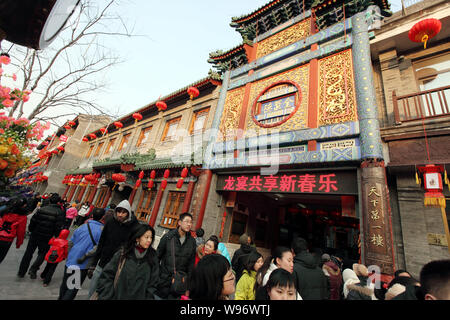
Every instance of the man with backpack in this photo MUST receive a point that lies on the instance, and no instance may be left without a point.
(46, 223)
(82, 244)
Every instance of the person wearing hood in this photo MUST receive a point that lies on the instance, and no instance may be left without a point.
(46, 223)
(238, 260)
(353, 289)
(333, 272)
(115, 233)
(58, 251)
(312, 283)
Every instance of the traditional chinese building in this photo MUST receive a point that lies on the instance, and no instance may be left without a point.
(142, 156)
(413, 92)
(298, 149)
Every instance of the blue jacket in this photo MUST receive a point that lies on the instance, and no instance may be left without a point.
(223, 250)
(82, 243)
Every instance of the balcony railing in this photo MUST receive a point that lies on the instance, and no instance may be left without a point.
(423, 104)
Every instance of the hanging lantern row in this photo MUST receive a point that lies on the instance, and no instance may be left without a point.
(151, 182)
(184, 174)
(139, 181)
(424, 30)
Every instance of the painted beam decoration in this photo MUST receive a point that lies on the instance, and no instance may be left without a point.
(327, 182)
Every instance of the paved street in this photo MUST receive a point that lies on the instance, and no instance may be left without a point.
(14, 288)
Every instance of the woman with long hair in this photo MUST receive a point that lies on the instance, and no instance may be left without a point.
(211, 279)
(135, 268)
(211, 245)
(245, 288)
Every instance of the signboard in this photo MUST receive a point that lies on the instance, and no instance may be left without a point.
(437, 239)
(63, 138)
(314, 182)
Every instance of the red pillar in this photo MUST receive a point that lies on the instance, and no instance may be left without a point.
(65, 192)
(72, 191)
(92, 195)
(205, 200)
(189, 193)
(132, 195)
(108, 195)
(156, 207)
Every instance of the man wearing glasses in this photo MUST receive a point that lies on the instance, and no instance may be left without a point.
(177, 244)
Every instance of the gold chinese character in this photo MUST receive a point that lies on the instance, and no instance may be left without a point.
(374, 202)
(373, 190)
(377, 240)
(375, 215)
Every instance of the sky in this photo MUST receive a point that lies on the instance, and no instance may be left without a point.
(171, 47)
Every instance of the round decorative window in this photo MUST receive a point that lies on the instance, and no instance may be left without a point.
(276, 104)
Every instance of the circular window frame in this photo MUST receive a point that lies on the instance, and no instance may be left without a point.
(298, 100)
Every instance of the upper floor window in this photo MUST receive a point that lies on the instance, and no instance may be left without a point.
(91, 148)
(171, 129)
(124, 142)
(143, 137)
(99, 147)
(110, 145)
(199, 121)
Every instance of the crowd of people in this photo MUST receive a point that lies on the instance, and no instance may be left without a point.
(116, 252)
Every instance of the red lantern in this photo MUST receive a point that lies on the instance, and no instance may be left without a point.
(184, 172)
(161, 105)
(163, 184)
(193, 92)
(72, 123)
(118, 124)
(166, 173)
(67, 127)
(137, 117)
(138, 183)
(153, 174)
(141, 174)
(44, 178)
(180, 183)
(55, 151)
(103, 130)
(424, 30)
(150, 184)
(92, 135)
(85, 139)
(117, 177)
(60, 148)
(432, 183)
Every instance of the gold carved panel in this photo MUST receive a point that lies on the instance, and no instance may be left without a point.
(231, 113)
(284, 38)
(299, 120)
(337, 100)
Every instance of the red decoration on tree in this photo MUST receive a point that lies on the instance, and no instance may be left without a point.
(161, 105)
(424, 30)
(137, 117)
(193, 92)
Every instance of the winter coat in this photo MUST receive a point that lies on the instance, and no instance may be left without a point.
(200, 253)
(411, 293)
(82, 243)
(245, 288)
(114, 235)
(333, 272)
(59, 247)
(224, 251)
(357, 291)
(238, 261)
(137, 280)
(184, 255)
(13, 225)
(71, 213)
(47, 222)
(311, 281)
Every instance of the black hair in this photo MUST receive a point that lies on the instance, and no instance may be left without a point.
(249, 263)
(404, 281)
(184, 215)
(136, 233)
(299, 245)
(397, 273)
(435, 278)
(200, 232)
(112, 206)
(17, 205)
(206, 279)
(278, 252)
(55, 198)
(215, 241)
(281, 278)
(98, 213)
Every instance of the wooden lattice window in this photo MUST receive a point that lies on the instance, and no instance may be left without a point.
(170, 130)
(110, 145)
(91, 148)
(97, 152)
(143, 137)
(144, 209)
(124, 142)
(101, 197)
(199, 121)
(89, 193)
(172, 209)
(80, 193)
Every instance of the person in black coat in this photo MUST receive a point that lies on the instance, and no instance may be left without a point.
(46, 223)
(312, 284)
(115, 234)
(238, 260)
(185, 247)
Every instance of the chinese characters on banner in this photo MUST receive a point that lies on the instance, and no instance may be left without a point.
(376, 217)
(291, 182)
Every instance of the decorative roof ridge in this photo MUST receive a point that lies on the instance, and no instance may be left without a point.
(245, 17)
(220, 54)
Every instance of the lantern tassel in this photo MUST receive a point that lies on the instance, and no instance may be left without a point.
(417, 179)
(424, 40)
(434, 200)
(447, 182)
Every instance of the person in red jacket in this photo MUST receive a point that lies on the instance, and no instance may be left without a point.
(59, 249)
(13, 224)
(209, 247)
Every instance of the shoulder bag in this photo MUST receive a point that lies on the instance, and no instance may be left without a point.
(116, 278)
(178, 283)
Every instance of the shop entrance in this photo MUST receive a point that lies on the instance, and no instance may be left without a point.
(327, 222)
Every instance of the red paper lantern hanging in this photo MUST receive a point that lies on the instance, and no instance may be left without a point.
(141, 174)
(72, 123)
(166, 173)
(184, 172)
(118, 124)
(432, 183)
(163, 184)
(424, 30)
(153, 174)
(92, 136)
(55, 151)
(138, 183)
(103, 130)
(150, 184)
(117, 177)
(67, 127)
(179, 183)
(193, 92)
(85, 139)
(161, 105)
(137, 117)
(61, 148)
